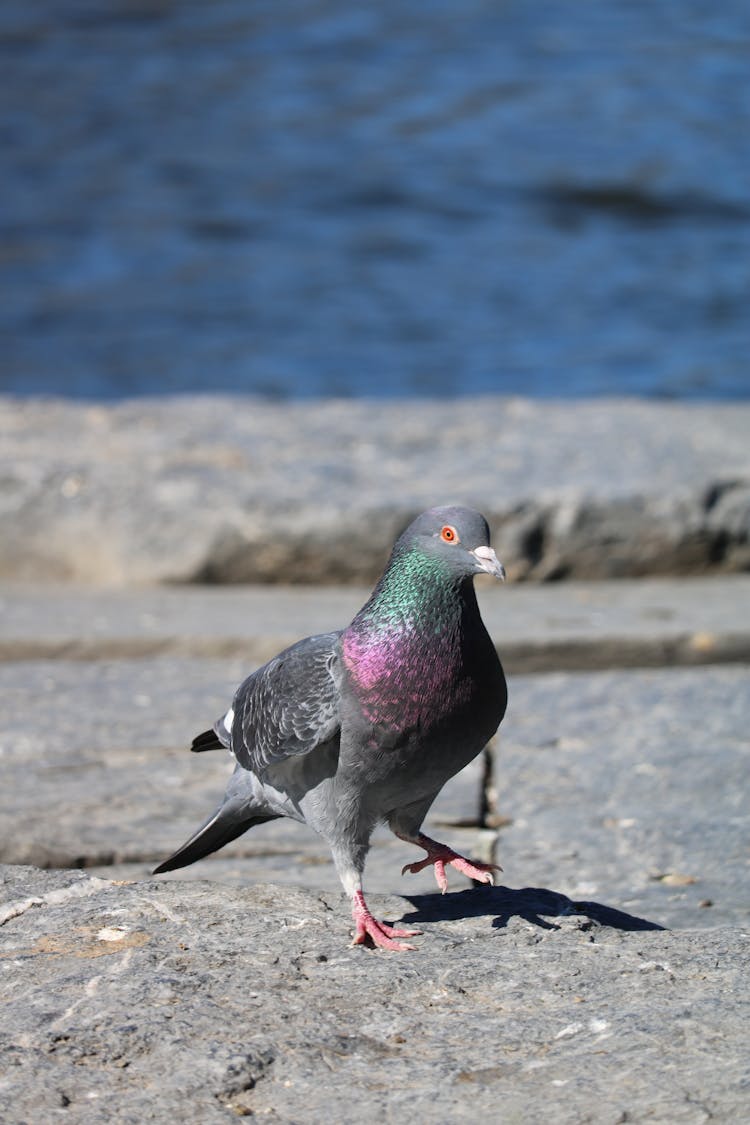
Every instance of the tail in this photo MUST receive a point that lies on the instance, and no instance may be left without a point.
(228, 822)
(208, 740)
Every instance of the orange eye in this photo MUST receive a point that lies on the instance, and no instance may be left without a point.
(449, 534)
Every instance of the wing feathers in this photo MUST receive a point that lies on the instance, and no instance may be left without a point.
(289, 706)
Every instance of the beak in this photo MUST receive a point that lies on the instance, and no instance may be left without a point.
(488, 562)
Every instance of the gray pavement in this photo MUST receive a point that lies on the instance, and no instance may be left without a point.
(624, 784)
(228, 988)
(102, 692)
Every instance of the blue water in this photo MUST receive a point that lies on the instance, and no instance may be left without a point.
(302, 199)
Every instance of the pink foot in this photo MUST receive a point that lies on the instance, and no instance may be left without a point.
(379, 933)
(440, 854)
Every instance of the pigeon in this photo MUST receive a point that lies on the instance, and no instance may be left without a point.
(349, 729)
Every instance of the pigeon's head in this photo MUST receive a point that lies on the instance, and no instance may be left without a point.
(458, 536)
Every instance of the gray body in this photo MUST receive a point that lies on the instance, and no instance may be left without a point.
(315, 740)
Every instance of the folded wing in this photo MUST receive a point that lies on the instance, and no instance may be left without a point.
(289, 706)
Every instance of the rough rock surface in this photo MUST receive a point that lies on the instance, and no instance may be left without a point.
(197, 1002)
(240, 490)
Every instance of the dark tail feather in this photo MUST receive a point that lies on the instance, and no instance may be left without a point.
(226, 824)
(206, 741)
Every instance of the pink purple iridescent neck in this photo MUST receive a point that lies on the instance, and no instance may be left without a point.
(403, 650)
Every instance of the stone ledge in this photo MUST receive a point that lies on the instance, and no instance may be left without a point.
(219, 489)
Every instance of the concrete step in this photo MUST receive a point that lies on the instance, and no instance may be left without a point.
(553, 627)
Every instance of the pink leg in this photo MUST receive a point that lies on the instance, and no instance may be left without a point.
(378, 932)
(439, 855)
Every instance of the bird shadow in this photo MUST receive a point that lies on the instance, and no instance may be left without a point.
(534, 904)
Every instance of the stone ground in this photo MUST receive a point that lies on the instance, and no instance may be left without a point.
(605, 980)
(200, 1002)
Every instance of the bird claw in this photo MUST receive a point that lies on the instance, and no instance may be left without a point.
(440, 854)
(379, 933)
(420, 864)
